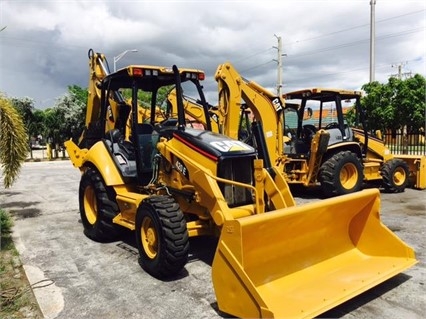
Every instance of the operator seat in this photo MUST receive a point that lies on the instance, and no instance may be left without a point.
(123, 153)
(119, 145)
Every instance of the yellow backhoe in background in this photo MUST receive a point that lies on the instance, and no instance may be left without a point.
(325, 152)
(169, 182)
(352, 155)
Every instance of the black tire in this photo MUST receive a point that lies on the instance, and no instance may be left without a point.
(161, 237)
(395, 174)
(97, 207)
(341, 174)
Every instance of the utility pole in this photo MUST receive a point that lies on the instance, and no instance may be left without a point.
(280, 65)
(372, 39)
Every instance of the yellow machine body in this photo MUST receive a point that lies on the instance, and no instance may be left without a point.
(417, 166)
(378, 153)
(273, 259)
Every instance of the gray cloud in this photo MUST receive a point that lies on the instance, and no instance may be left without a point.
(44, 47)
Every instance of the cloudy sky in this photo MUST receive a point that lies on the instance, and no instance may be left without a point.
(43, 48)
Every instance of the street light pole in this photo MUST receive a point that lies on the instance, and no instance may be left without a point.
(372, 39)
(118, 57)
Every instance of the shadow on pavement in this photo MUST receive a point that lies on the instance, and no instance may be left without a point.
(366, 297)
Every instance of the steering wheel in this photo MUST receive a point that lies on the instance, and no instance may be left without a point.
(308, 132)
(331, 125)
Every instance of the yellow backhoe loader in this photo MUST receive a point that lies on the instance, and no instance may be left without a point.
(170, 182)
(329, 153)
(352, 154)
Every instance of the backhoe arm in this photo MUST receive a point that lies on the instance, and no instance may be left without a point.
(234, 91)
(96, 117)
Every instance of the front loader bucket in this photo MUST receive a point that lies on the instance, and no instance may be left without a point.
(301, 261)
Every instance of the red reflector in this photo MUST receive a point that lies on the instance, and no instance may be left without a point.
(201, 76)
(137, 72)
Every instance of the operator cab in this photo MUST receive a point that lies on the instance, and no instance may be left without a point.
(132, 141)
(311, 110)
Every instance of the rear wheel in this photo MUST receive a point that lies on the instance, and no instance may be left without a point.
(341, 174)
(97, 207)
(161, 237)
(395, 175)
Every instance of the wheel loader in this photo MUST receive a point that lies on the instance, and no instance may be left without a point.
(169, 182)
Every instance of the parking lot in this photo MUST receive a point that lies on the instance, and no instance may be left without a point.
(93, 280)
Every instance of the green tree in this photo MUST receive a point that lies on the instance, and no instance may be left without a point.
(32, 118)
(51, 123)
(79, 94)
(73, 108)
(37, 126)
(396, 104)
(13, 141)
(66, 119)
(144, 98)
(25, 107)
(410, 102)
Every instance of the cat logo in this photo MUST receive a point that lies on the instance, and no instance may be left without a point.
(230, 146)
(277, 104)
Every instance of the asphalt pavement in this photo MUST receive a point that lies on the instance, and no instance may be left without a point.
(79, 278)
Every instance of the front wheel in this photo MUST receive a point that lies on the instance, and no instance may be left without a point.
(97, 207)
(395, 175)
(161, 237)
(341, 174)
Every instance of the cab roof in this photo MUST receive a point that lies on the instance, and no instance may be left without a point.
(148, 77)
(322, 94)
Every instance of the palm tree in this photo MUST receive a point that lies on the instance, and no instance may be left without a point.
(13, 141)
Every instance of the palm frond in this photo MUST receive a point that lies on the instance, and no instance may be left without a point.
(13, 142)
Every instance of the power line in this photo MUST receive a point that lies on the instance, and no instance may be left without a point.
(341, 45)
(323, 75)
(344, 45)
(257, 66)
(253, 55)
(354, 27)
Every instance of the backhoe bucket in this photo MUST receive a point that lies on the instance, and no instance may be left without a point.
(301, 261)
